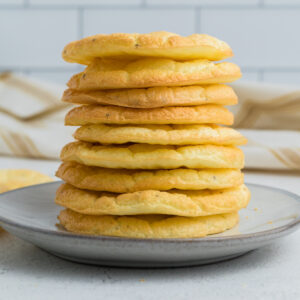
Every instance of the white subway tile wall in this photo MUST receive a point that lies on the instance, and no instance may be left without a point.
(84, 3)
(181, 21)
(261, 38)
(53, 76)
(251, 75)
(262, 33)
(203, 2)
(11, 2)
(283, 77)
(282, 2)
(34, 38)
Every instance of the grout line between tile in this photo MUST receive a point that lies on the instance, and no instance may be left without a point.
(198, 24)
(80, 21)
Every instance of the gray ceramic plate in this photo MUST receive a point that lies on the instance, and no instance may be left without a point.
(30, 214)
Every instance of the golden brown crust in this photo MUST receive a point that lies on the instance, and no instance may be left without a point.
(151, 72)
(11, 179)
(174, 202)
(147, 226)
(141, 156)
(95, 114)
(159, 44)
(155, 96)
(160, 134)
(124, 181)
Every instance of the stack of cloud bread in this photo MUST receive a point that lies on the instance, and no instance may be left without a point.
(151, 159)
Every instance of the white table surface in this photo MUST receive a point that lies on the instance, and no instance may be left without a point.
(273, 272)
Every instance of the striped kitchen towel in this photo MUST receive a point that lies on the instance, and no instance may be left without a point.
(31, 117)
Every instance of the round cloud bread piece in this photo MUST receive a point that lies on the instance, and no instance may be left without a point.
(160, 134)
(142, 156)
(151, 72)
(96, 114)
(159, 44)
(147, 226)
(174, 202)
(124, 181)
(155, 96)
(11, 179)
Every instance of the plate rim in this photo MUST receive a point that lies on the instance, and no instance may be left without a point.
(209, 239)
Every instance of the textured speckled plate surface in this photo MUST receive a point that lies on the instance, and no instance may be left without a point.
(30, 213)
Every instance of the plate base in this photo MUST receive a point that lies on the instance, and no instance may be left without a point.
(31, 214)
(151, 264)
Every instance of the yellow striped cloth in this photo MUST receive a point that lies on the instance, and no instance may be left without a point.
(31, 117)
(269, 116)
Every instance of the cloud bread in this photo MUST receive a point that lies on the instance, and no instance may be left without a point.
(160, 134)
(96, 114)
(155, 44)
(151, 72)
(11, 179)
(124, 181)
(142, 156)
(147, 226)
(174, 202)
(155, 96)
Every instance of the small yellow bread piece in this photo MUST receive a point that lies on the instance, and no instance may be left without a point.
(147, 226)
(174, 202)
(124, 181)
(155, 96)
(155, 44)
(160, 134)
(96, 114)
(142, 156)
(11, 179)
(149, 72)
